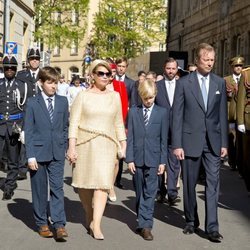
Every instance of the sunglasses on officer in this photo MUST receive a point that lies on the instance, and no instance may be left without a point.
(102, 74)
(34, 58)
(13, 68)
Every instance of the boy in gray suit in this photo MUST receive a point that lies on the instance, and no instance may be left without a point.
(46, 134)
(146, 153)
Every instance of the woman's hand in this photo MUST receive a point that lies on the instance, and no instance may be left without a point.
(71, 155)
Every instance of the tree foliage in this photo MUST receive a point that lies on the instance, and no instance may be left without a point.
(128, 27)
(54, 23)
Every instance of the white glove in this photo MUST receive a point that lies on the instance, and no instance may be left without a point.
(21, 137)
(242, 128)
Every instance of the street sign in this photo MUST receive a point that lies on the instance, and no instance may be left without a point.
(11, 48)
(87, 59)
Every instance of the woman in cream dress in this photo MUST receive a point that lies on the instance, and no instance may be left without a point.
(96, 137)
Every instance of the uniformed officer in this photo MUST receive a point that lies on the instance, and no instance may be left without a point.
(233, 82)
(12, 100)
(243, 120)
(30, 77)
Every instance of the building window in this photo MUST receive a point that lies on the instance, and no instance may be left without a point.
(56, 51)
(58, 18)
(238, 45)
(74, 47)
(74, 71)
(161, 46)
(223, 58)
(75, 17)
(163, 26)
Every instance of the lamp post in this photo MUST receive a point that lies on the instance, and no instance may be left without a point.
(6, 36)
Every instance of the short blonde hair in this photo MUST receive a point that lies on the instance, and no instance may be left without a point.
(147, 89)
(97, 63)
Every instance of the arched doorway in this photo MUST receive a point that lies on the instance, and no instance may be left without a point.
(73, 71)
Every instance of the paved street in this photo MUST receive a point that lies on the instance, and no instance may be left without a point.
(17, 225)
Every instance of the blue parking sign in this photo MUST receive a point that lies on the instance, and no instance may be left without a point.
(11, 48)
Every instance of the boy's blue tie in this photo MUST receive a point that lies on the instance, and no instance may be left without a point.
(50, 108)
(145, 117)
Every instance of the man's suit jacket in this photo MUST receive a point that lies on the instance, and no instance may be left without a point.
(162, 100)
(129, 85)
(192, 125)
(46, 140)
(147, 145)
(135, 99)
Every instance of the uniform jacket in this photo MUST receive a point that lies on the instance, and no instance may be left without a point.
(147, 145)
(192, 124)
(8, 104)
(46, 140)
(232, 92)
(25, 76)
(243, 102)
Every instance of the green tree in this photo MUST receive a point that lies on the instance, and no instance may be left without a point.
(128, 27)
(57, 21)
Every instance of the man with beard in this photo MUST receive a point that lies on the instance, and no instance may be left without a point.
(165, 96)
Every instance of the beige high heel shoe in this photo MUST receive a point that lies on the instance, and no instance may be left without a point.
(112, 196)
(96, 237)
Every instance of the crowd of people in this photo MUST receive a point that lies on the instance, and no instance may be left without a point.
(166, 127)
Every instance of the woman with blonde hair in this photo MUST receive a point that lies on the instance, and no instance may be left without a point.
(96, 138)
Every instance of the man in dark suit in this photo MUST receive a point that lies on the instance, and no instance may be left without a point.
(200, 134)
(146, 153)
(12, 100)
(122, 65)
(46, 134)
(30, 77)
(165, 95)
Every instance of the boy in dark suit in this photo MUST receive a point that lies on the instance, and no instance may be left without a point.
(46, 133)
(146, 153)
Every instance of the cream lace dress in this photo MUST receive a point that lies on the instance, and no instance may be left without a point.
(96, 122)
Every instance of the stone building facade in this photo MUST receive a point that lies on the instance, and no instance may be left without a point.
(20, 26)
(225, 24)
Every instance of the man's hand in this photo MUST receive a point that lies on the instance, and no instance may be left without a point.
(33, 165)
(179, 153)
(223, 152)
(131, 167)
(161, 169)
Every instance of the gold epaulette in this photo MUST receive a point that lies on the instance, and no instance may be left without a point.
(246, 69)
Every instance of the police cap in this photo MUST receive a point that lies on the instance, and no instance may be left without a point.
(33, 52)
(238, 60)
(9, 61)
